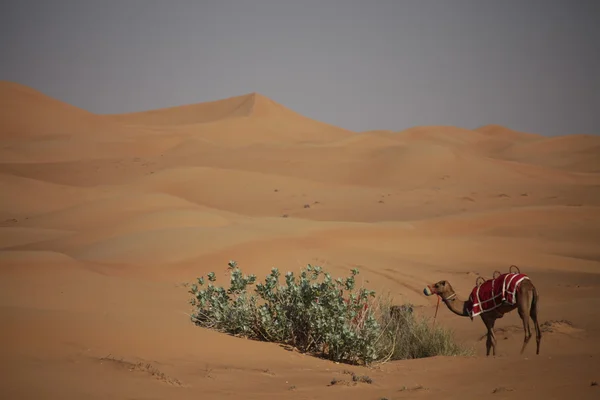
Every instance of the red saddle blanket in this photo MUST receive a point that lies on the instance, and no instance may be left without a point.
(493, 293)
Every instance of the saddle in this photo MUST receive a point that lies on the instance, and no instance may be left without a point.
(489, 294)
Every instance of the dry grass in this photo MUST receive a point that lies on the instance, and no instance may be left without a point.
(408, 336)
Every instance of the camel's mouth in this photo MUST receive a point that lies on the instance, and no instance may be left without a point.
(427, 291)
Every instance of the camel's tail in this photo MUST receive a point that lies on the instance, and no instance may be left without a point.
(534, 302)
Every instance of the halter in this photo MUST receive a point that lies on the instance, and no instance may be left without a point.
(445, 300)
(453, 295)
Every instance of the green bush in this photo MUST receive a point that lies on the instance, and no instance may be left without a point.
(316, 314)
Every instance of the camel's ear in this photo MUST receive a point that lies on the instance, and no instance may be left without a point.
(443, 283)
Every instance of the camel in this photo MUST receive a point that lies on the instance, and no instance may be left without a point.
(526, 301)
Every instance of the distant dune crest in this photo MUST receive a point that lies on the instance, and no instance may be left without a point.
(248, 105)
(503, 131)
(27, 112)
(254, 119)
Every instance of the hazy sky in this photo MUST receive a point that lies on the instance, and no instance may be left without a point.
(533, 65)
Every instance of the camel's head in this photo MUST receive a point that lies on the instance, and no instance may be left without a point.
(441, 288)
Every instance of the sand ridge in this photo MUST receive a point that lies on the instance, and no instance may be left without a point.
(104, 217)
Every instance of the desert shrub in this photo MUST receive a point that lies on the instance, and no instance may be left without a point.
(316, 314)
(408, 336)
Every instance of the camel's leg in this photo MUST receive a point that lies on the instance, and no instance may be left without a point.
(490, 343)
(524, 305)
(494, 341)
(534, 317)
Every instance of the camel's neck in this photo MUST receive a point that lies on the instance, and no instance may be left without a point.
(456, 305)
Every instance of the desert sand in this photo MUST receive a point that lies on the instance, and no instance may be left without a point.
(104, 218)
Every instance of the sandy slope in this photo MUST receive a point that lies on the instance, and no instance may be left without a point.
(103, 217)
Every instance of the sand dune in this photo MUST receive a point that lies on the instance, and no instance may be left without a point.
(77, 148)
(15, 236)
(505, 133)
(102, 217)
(440, 134)
(24, 264)
(26, 112)
(108, 211)
(577, 153)
(238, 106)
(391, 163)
(25, 197)
(364, 141)
(236, 121)
(568, 223)
(252, 105)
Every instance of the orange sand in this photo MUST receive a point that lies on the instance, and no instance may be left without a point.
(103, 217)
